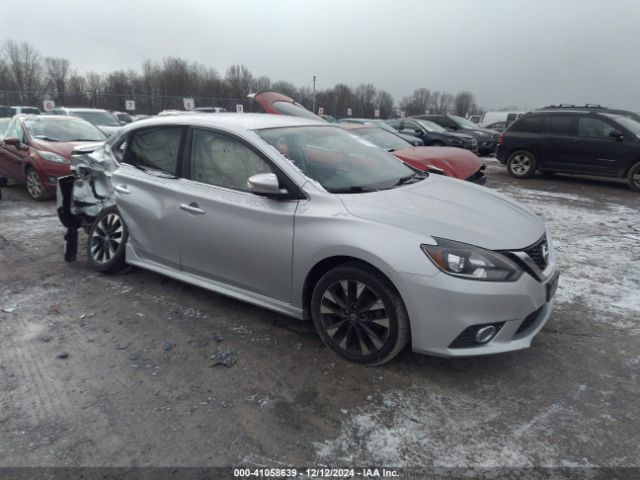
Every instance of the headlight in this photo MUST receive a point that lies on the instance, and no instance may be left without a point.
(53, 157)
(473, 263)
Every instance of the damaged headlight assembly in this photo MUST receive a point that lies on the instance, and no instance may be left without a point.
(470, 262)
(53, 157)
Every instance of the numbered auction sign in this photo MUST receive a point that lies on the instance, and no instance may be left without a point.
(239, 108)
(320, 110)
(48, 105)
(402, 114)
(376, 112)
(130, 105)
(188, 103)
(349, 112)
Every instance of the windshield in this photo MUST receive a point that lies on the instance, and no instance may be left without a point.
(63, 129)
(627, 122)
(294, 109)
(430, 126)
(97, 118)
(340, 161)
(382, 138)
(463, 122)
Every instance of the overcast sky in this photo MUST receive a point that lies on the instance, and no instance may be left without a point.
(520, 52)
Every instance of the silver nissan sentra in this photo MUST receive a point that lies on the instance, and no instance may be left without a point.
(306, 219)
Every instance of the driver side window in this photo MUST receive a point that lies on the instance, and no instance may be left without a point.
(223, 161)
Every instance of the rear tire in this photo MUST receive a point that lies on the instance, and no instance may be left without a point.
(633, 178)
(359, 314)
(107, 240)
(522, 164)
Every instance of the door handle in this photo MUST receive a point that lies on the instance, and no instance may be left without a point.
(192, 208)
(122, 189)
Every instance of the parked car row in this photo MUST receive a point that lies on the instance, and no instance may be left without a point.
(36, 149)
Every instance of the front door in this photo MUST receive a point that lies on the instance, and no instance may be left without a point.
(13, 157)
(145, 190)
(597, 151)
(227, 233)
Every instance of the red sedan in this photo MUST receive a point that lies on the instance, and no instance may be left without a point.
(36, 150)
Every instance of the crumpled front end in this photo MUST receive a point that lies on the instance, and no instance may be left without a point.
(82, 195)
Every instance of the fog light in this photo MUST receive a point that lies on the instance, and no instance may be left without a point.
(485, 334)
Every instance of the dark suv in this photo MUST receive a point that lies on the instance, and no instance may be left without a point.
(573, 140)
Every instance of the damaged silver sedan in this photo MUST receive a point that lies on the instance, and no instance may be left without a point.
(306, 219)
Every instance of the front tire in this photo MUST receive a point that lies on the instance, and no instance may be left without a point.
(35, 188)
(107, 240)
(522, 164)
(633, 178)
(359, 314)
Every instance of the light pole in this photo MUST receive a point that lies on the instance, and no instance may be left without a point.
(314, 94)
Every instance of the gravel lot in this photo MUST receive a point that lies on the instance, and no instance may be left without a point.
(116, 370)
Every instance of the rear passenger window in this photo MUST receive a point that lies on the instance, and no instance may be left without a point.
(593, 127)
(155, 148)
(532, 124)
(561, 125)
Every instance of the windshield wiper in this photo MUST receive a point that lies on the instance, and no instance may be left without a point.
(84, 140)
(47, 139)
(354, 189)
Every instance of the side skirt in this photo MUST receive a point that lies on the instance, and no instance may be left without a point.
(234, 292)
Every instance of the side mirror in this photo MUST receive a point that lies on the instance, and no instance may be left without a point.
(265, 184)
(613, 133)
(12, 141)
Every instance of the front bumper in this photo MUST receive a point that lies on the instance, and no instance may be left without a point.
(49, 172)
(486, 147)
(441, 307)
(479, 177)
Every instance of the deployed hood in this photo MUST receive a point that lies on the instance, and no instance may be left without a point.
(456, 162)
(446, 208)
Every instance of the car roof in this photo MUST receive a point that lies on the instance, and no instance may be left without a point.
(78, 109)
(248, 121)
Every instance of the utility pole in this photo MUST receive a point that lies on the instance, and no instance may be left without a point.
(314, 94)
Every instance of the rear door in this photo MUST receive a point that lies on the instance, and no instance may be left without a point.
(227, 233)
(145, 190)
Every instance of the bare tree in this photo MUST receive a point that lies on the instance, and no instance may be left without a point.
(364, 100)
(25, 67)
(261, 83)
(419, 102)
(240, 80)
(286, 88)
(384, 101)
(464, 103)
(442, 102)
(57, 70)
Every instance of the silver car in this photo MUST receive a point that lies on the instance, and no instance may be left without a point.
(306, 219)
